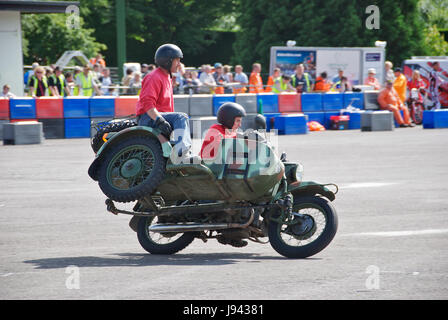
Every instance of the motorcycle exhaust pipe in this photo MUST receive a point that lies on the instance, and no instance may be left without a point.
(199, 226)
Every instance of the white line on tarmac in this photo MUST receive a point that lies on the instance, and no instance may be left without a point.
(396, 233)
(367, 185)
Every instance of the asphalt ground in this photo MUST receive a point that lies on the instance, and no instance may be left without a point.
(57, 241)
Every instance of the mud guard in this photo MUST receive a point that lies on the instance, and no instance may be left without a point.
(310, 188)
(124, 134)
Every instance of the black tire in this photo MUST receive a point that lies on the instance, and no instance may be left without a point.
(321, 241)
(132, 169)
(146, 241)
(97, 140)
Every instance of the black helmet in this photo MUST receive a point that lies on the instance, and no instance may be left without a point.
(228, 112)
(165, 54)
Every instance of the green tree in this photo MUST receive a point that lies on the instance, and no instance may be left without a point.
(47, 37)
(323, 23)
(150, 23)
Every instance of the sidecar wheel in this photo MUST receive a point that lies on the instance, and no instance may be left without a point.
(97, 140)
(161, 243)
(132, 169)
(316, 229)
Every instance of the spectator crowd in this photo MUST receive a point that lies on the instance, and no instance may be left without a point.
(95, 79)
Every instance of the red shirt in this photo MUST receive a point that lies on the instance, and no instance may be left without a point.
(157, 92)
(213, 138)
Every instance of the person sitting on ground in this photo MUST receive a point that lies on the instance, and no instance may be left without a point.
(322, 84)
(229, 117)
(371, 80)
(283, 84)
(388, 99)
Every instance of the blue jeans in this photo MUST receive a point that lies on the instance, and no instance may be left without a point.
(181, 129)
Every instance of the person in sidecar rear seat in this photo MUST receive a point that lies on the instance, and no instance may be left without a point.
(230, 117)
(155, 106)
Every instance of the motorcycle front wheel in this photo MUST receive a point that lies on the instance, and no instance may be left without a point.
(161, 243)
(308, 231)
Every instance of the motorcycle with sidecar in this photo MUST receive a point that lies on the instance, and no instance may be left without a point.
(246, 192)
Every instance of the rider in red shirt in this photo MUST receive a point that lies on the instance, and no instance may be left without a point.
(155, 106)
(229, 116)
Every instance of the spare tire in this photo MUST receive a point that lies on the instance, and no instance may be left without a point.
(132, 168)
(114, 126)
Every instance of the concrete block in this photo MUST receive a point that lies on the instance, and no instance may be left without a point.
(248, 101)
(201, 105)
(377, 121)
(29, 132)
(182, 103)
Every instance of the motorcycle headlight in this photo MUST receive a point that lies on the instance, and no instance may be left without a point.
(299, 172)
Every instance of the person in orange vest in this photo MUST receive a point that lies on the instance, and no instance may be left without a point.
(321, 83)
(98, 59)
(271, 80)
(255, 81)
(389, 100)
(400, 84)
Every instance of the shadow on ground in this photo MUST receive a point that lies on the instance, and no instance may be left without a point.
(146, 260)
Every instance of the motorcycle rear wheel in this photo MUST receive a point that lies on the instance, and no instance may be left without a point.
(291, 243)
(161, 243)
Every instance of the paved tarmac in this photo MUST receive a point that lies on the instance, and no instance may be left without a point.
(57, 241)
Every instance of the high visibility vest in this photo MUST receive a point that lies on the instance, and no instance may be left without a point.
(36, 83)
(61, 80)
(283, 86)
(87, 88)
(307, 80)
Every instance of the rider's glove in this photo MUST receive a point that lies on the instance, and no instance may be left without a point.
(163, 126)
